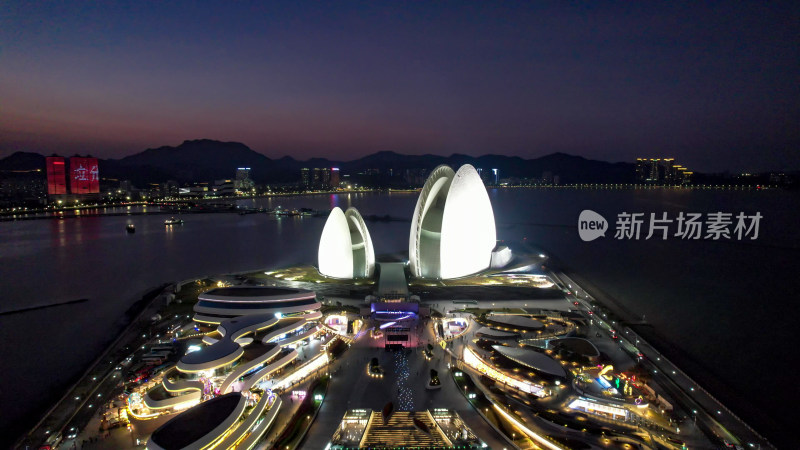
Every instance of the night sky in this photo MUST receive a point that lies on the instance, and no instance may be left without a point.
(715, 85)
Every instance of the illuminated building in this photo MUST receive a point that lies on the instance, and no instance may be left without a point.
(473, 360)
(84, 175)
(222, 367)
(56, 175)
(243, 182)
(224, 188)
(452, 230)
(307, 369)
(641, 169)
(661, 171)
(220, 413)
(345, 247)
(600, 409)
(322, 177)
(222, 422)
(221, 304)
(533, 359)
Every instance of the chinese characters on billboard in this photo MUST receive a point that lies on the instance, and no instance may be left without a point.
(84, 175)
(56, 175)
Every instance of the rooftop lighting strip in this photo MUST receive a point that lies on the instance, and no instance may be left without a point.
(228, 299)
(477, 361)
(526, 430)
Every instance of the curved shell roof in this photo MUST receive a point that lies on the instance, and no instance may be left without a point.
(516, 321)
(255, 294)
(226, 350)
(200, 426)
(531, 358)
(491, 332)
(345, 247)
(452, 230)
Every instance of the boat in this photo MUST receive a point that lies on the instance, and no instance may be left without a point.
(173, 221)
(130, 228)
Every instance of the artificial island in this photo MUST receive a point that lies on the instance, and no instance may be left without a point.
(466, 342)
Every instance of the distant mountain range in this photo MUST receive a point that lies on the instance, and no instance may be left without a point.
(207, 160)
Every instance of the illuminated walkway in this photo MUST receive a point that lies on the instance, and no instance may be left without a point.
(352, 388)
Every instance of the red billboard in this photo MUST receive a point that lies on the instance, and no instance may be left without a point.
(56, 175)
(84, 175)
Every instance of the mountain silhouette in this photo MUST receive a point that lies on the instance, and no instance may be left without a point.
(208, 160)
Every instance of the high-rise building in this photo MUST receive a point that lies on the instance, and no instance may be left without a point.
(496, 176)
(667, 171)
(647, 170)
(170, 188)
(642, 170)
(84, 175)
(243, 183)
(56, 175)
(305, 177)
(322, 177)
(661, 171)
(653, 172)
(334, 183)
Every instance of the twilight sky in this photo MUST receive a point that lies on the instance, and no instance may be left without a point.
(715, 85)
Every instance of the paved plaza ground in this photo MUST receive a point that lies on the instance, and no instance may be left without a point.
(406, 373)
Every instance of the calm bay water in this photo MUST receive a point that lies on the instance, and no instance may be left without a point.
(725, 307)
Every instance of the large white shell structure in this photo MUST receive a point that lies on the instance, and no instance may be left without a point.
(452, 230)
(345, 247)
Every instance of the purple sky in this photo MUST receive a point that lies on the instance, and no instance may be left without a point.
(715, 85)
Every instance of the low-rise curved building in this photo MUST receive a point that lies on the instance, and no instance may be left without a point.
(218, 305)
(452, 230)
(536, 360)
(200, 427)
(345, 247)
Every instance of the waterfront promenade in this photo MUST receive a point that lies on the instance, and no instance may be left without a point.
(704, 409)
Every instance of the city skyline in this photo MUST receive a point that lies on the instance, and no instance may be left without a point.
(711, 85)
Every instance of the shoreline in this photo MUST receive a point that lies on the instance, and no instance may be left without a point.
(6, 216)
(134, 314)
(701, 375)
(9, 216)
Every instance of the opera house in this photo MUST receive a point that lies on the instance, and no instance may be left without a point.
(452, 232)
(345, 248)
